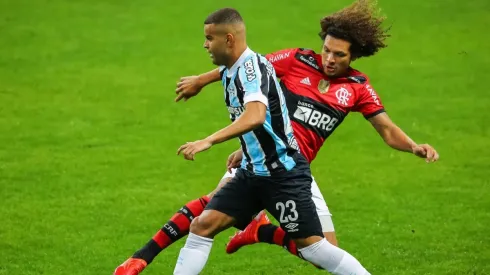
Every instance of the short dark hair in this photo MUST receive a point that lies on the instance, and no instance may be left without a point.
(359, 24)
(224, 16)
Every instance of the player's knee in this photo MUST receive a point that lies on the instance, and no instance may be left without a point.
(222, 183)
(304, 242)
(201, 227)
(331, 238)
(209, 224)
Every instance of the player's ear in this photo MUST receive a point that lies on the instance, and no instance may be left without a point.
(230, 39)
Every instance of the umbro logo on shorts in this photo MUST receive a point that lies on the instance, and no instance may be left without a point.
(292, 227)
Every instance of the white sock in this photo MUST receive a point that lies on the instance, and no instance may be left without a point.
(193, 256)
(332, 258)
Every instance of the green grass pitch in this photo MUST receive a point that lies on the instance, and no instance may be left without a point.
(89, 133)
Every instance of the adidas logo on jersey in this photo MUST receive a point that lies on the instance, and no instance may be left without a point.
(306, 81)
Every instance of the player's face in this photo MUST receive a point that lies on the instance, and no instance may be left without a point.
(336, 56)
(216, 44)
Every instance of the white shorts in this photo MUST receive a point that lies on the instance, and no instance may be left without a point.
(321, 205)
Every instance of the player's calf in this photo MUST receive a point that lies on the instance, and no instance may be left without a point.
(194, 255)
(177, 227)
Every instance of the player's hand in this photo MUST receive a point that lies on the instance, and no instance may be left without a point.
(192, 148)
(234, 160)
(187, 87)
(426, 151)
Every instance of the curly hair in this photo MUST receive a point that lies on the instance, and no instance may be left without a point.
(360, 24)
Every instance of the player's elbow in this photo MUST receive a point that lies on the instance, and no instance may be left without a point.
(257, 121)
(260, 120)
(254, 115)
(387, 136)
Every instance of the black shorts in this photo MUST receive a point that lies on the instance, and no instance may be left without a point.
(287, 196)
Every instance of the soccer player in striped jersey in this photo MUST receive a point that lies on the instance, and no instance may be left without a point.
(316, 109)
(273, 174)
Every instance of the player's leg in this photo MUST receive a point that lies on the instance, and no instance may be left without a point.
(194, 255)
(261, 230)
(272, 234)
(290, 202)
(173, 230)
(233, 204)
(323, 213)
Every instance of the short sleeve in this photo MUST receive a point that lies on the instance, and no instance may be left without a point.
(254, 81)
(281, 60)
(368, 102)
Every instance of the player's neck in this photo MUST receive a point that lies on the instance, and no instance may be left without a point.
(236, 55)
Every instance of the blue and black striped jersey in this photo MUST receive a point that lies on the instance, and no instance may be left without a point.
(270, 147)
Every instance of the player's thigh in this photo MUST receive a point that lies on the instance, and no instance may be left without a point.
(224, 180)
(288, 198)
(237, 199)
(323, 213)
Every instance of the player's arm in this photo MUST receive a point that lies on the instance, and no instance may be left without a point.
(251, 118)
(391, 133)
(189, 86)
(255, 102)
(397, 139)
(371, 107)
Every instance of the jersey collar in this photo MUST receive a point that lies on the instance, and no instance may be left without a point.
(239, 62)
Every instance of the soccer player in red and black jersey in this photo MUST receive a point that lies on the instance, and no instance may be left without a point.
(320, 90)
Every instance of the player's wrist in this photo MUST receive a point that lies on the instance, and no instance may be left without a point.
(203, 80)
(200, 81)
(413, 147)
(211, 140)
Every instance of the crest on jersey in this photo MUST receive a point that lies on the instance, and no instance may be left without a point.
(323, 86)
(343, 96)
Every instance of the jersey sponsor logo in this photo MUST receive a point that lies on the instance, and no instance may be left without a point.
(249, 70)
(308, 60)
(373, 94)
(269, 68)
(343, 96)
(305, 81)
(357, 78)
(308, 114)
(236, 111)
(278, 57)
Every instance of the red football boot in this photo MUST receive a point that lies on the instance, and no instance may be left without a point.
(131, 266)
(249, 235)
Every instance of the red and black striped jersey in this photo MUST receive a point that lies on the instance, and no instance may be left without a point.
(318, 104)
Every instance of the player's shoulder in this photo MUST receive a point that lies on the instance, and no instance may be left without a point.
(307, 51)
(357, 78)
(309, 58)
(250, 67)
(283, 54)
